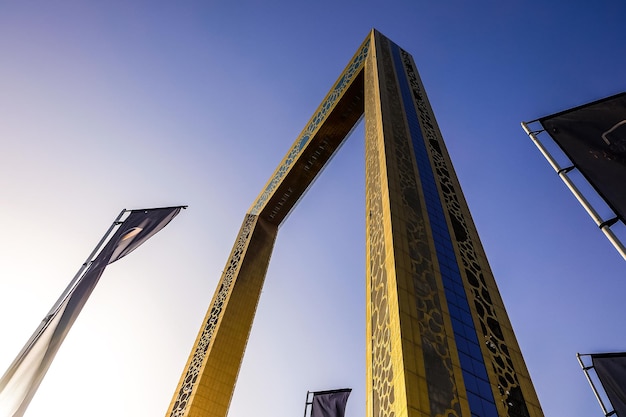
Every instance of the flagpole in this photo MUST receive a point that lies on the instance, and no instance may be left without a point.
(306, 402)
(86, 264)
(593, 387)
(68, 290)
(20, 382)
(605, 226)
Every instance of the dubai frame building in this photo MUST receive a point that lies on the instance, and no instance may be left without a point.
(438, 339)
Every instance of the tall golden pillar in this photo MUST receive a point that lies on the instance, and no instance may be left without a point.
(439, 341)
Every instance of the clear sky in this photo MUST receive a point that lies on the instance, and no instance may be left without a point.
(118, 104)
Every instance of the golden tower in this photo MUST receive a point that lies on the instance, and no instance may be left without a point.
(439, 341)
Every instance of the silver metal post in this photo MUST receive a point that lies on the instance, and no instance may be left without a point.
(16, 398)
(593, 387)
(606, 228)
(306, 402)
(86, 264)
(68, 290)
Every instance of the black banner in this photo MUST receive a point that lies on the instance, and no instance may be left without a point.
(138, 227)
(330, 403)
(611, 370)
(593, 137)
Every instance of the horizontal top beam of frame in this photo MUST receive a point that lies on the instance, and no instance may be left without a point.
(330, 125)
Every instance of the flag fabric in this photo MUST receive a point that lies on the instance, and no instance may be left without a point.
(611, 371)
(136, 229)
(593, 137)
(330, 403)
(21, 380)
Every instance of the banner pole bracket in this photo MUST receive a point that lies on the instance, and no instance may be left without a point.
(608, 223)
(565, 170)
(593, 386)
(562, 173)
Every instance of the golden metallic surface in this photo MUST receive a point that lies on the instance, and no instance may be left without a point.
(417, 349)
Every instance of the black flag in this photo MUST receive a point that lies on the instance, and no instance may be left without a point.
(330, 403)
(593, 137)
(611, 370)
(21, 380)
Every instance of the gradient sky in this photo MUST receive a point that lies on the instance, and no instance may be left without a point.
(118, 104)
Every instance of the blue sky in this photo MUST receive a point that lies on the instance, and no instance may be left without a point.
(145, 104)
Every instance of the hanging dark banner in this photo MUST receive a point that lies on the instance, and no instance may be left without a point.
(611, 370)
(330, 403)
(593, 137)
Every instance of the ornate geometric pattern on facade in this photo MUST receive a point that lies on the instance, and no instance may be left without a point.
(197, 358)
(438, 340)
(320, 116)
(380, 371)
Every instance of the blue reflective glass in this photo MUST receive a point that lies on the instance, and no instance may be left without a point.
(475, 404)
(471, 332)
(471, 383)
(484, 389)
(479, 369)
(466, 362)
(474, 350)
(489, 409)
(451, 297)
(462, 345)
(463, 305)
(472, 365)
(457, 326)
(454, 311)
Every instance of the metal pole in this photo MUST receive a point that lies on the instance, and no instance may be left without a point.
(306, 402)
(68, 290)
(16, 398)
(593, 387)
(86, 264)
(562, 173)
